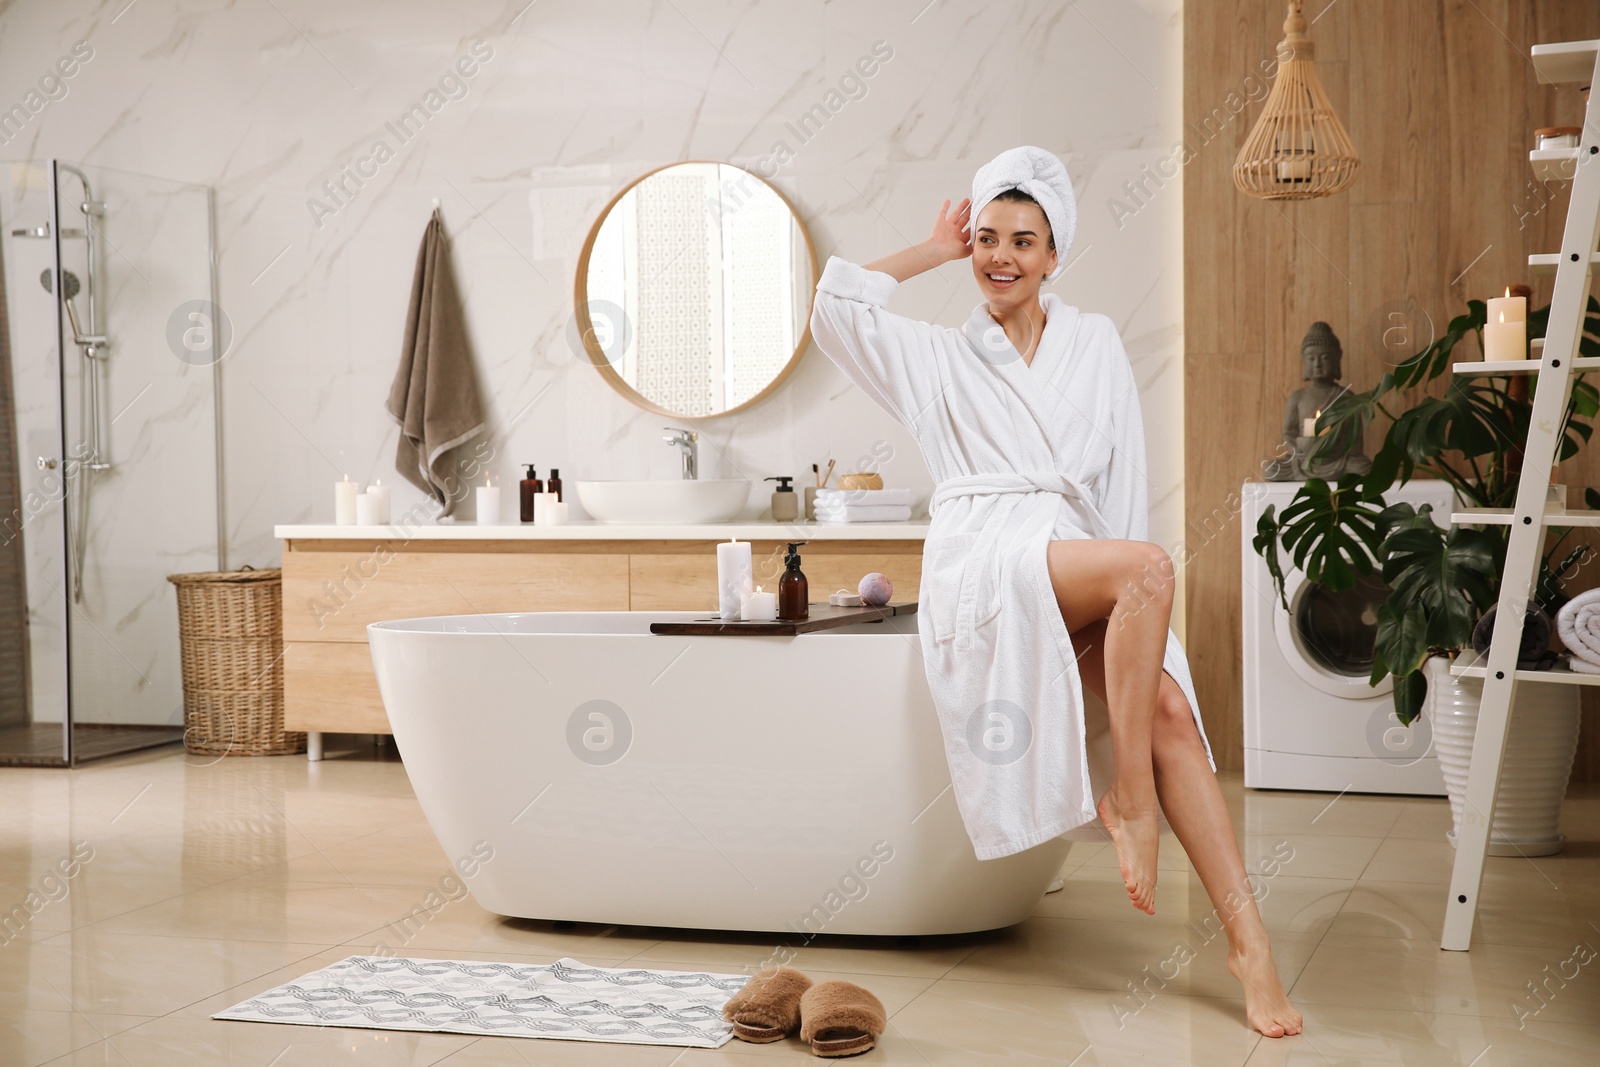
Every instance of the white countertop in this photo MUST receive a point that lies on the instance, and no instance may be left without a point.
(590, 530)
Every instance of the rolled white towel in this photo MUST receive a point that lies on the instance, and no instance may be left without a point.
(1579, 626)
(873, 497)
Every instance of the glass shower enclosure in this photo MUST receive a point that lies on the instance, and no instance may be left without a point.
(109, 457)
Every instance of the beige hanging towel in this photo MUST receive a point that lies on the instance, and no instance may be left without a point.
(435, 393)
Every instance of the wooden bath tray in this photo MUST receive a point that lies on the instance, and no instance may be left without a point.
(823, 617)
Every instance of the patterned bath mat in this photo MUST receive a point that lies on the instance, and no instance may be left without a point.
(565, 999)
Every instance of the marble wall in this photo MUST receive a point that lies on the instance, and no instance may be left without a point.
(280, 106)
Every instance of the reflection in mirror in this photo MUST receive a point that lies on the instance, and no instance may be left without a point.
(697, 282)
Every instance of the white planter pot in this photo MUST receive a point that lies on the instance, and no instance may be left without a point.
(1540, 746)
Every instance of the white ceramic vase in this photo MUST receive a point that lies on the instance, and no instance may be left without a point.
(1540, 746)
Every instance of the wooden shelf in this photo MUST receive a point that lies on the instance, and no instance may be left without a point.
(1568, 61)
(1503, 516)
(1470, 665)
(1545, 263)
(1554, 164)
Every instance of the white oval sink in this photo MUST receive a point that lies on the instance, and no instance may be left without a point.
(685, 500)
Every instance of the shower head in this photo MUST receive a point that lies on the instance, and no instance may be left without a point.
(70, 287)
(69, 282)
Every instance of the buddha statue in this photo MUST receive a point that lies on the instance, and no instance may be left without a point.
(1320, 358)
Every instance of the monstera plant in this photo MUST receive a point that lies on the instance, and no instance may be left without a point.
(1440, 580)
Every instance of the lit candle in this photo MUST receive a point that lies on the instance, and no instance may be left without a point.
(1505, 335)
(488, 503)
(1308, 427)
(344, 502)
(544, 509)
(380, 495)
(759, 607)
(734, 575)
(558, 511)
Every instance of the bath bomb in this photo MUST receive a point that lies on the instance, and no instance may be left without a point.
(875, 589)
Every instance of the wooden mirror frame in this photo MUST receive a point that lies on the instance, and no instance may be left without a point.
(596, 355)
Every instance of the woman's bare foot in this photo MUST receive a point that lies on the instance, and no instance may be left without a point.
(1134, 834)
(1266, 1005)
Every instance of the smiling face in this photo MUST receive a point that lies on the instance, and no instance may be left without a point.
(1011, 252)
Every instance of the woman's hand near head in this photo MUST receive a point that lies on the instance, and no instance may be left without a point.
(950, 236)
(949, 241)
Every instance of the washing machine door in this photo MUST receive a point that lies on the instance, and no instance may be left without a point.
(1327, 638)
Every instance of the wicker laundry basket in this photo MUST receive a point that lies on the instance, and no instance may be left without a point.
(230, 629)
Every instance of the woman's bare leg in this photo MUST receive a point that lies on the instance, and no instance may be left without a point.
(1199, 816)
(1128, 584)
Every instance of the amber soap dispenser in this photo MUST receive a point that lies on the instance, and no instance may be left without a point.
(794, 593)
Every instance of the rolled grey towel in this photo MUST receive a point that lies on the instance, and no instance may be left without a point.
(1534, 653)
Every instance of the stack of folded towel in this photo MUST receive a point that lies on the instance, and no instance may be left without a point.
(1579, 626)
(864, 505)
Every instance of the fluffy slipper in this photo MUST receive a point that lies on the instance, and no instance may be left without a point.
(768, 1007)
(840, 1019)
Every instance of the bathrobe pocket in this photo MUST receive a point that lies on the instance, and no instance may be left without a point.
(959, 589)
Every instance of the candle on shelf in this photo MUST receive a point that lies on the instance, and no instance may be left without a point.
(367, 510)
(1308, 427)
(734, 575)
(1505, 334)
(544, 509)
(759, 607)
(380, 495)
(558, 511)
(488, 503)
(344, 502)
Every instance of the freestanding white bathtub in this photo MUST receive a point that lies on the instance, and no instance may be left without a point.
(728, 782)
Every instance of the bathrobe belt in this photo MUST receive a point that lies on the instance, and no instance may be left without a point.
(984, 551)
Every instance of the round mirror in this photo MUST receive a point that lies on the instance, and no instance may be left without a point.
(694, 290)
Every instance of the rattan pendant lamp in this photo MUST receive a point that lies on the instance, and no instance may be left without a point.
(1298, 149)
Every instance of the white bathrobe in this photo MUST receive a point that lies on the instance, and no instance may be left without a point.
(1022, 454)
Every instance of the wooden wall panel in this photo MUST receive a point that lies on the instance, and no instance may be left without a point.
(1441, 101)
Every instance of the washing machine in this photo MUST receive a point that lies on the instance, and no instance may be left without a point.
(1311, 721)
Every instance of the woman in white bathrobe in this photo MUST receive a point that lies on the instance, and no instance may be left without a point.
(1038, 578)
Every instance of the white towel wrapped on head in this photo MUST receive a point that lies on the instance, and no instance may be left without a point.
(1578, 623)
(1042, 176)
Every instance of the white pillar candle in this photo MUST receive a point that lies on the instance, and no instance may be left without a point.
(759, 607)
(367, 510)
(488, 504)
(734, 577)
(344, 502)
(1505, 339)
(1308, 427)
(381, 498)
(558, 511)
(1505, 334)
(544, 509)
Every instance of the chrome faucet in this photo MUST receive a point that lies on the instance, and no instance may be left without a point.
(689, 441)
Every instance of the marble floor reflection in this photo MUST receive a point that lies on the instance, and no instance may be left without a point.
(157, 888)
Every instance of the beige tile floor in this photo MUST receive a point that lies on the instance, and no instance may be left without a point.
(212, 881)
